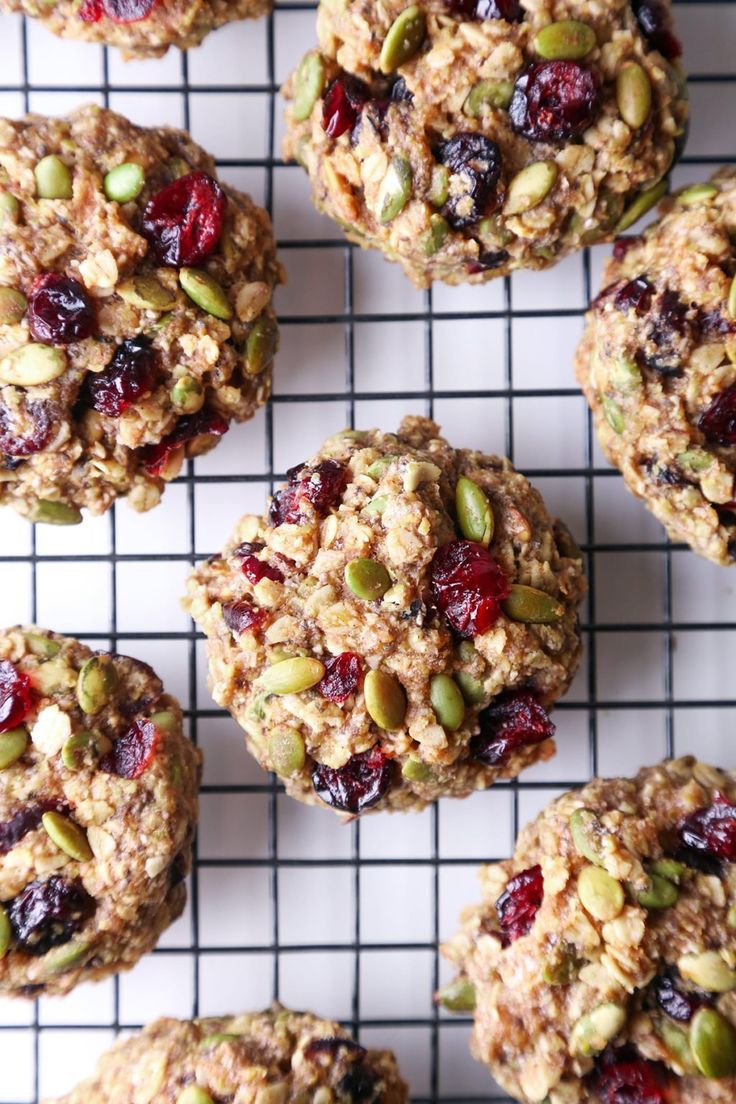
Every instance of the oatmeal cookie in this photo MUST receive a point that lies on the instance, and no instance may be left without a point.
(469, 138)
(657, 364)
(98, 804)
(396, 625)
(135, 311)
(601, 963)
(141, 28)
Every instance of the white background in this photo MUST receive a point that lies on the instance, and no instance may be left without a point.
(278, 883)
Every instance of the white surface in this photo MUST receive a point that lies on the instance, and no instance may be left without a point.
(231, 918)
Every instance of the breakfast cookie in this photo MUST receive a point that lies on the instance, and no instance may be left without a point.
(469, 138)
(141, 28)
(135, 311)
(397, 624)
(98, 804)
(657, 364)
(601, 963)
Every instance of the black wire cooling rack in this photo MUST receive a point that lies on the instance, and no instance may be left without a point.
(590, 704)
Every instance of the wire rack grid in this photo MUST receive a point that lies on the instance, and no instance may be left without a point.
(285, 902)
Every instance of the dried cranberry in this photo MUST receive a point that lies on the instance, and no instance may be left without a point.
(622, 245)
(59, 310)
(248, 548)
(342, 104)
(476, 162)
(488, 260)
(321, 485)
(554, 101)
(183, 222)
(654, 21)
(90, 11)
(361, 783)
(709, 835)
(510, 10)
(636, 296)
(132, 752)
(204, 424)
(359, 1085)
(670, 332)
(130, 375)
(509, 722)
(255, 570)
(13, 443)
(331, 1047)
(713, 324)
(468, 586)
(622, 1077)
(718, 422)
(241, 616)
(15, 696)
(518, 905)
(128, 11)
(26, 820)
(48, 913)
(400, 93)
(677, 1004)
(343, 674)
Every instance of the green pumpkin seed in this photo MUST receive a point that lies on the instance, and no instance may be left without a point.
(601, 895)
(447, 702)
(32, 365)
(471, 687)
(439, 188)
(414, 770)
(458, 996)
(385, 700)
(6, 932)
(379, 467)
(53, 179)
(639, 206)
(625, 375)
(696, 460)
(96, 684)
(562, 969)
(696, 193)
(166, 721)
(292, 676)
(187, 395)
(64, 958)
(613, 414)
(42, 646)
(216, 1038)
(124, 182)
(308, 85)
(395, 190)
(377, 504)
(677, 1042)
(9, 209)
(474, 513)
(732, 299)
(532, 606)
(713, 1043)
(79, 750)
(54, 513)
(404, 39)
(593, 1032)
(286, 752)
(12, 306)
(587, 835)
(146, 293)
(661, 893)
(192, 1094)
(731, 918)
(670, 869)
(708, 971)
(633, 94)
(435, 237)
(567, 40)
(488, 94)
(67, 836)
(367, 579)
(12, 746)
(261, 345)
(203, 290)
(530, 186)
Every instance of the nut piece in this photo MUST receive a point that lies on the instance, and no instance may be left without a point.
(286, 752)
(713, 1043)
(53, 179)
(192, 1094)
(458, 996)
(530, 186)
(6, 933)
(367, 579)
(9, 209)
(12, 306)
(697, 193)
(292, 676)
(146, 293)
(67, 836)
(633, 94)
(385, 700)
(661, 893)
(600, 894)
(639, 207)
(203, 290)
(447, 701)
(587, 835)
(474, 513)
(435, 237)
(395, 190)
(308, 85)
(613, 414)
(404, 39)
(414, 770)
(12, 745)
(187, 395)
(78, 750)
(593, 1032)
(567, 40)
(54, 513)
(96, 684)
(532, 606)
(124, 182)
(708, 971)
(261, 346)
(484, 94)
(31, 365)
(63, 958)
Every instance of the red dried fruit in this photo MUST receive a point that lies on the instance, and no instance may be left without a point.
(13, 443)
(636, 295)
(622, 1077)
(475, 162)
(554, 101)
(654, 21)
(708, 835)
(183, 222)
(718, 422)
(131, 374)
(488, 260)
(511, 721)
(622, 245)
(206, 423)
(358, 785)
(670, 331)
(132, 753)
(518, 905)
(90, 11)
(128, 11)
(343, 676)
(342, 104)
(255, 570)
(332, 1047)
(713, 324)
(321, 485)
(59, 310)
(468, 586)
(47, 913)
(16, 696)
(241, 616)
(510, 10)
(26, 820)
(675, 1003)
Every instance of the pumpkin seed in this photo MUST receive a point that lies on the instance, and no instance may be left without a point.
(567, 40)
(377, 504)
(458, 996)
(624, 375)
(661, 893)
(530, 186)
(404, 39)
(379, 467)
(42, 646)
(54, 513)
(395, 189)
(435, 237)
(474, 513)
(414, 770)
(78, 750)
(216, 1038)
(53, 179)
(385, 700)
(695, 460)
(732, 298)
(613, 414)
(261, 345)
(124, 182)
(96, 684)
(166, 721)
(308, 85)
(67, 836)
(6, 933)
(633, 94)
(532, 606)
(489, 94)
(32, 365)
(9, 209)
(471, 688)
(187, 395)
(639, 206)
(593, 1032)
(439, 187)
(146, 293)
(203, 290)
(677, 1042)
(292, 676)
(696, 193)
(367, 579)
(713, 1043)
(708, 971)
(587, 835)
(417, 473)
(601, 895)
(447, 701)
(63, 958)
(12, 746)
(562, 969)
(670, 869)
(286, 752)
(12, 306)
(192, 1094)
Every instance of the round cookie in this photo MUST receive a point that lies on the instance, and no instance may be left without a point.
(657, 364)
(141, 28)
(469, 138)
(397, 624)
(135, 311)
(268, 1057)
(98, 804)
(601, 963)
